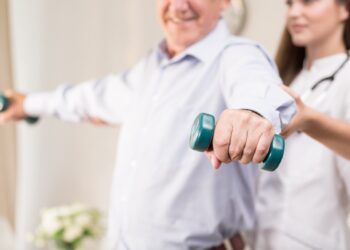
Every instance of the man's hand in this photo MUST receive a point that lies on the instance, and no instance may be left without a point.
(15, 111)
(240, 135)
(96, 121)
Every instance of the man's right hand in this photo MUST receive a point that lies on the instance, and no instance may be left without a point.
(240, 135)
(15, 111)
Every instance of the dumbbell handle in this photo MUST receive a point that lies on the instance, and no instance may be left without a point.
(202, 135)
(5, 103)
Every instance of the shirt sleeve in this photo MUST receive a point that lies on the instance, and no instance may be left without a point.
(108, 98)
(251, 82)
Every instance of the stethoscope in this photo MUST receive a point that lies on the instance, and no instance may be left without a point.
(329, 79)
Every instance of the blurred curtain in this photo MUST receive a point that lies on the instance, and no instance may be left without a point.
(7, 135)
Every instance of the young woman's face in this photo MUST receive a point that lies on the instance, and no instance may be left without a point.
(312, 22)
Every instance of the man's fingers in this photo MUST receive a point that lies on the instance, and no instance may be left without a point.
(241, 135)
(7, 116)
(249, 148)
(215, 162)
(263, 147)
(221, 140)
(15, 111)
(2, 119)
(9, 93)
(96, 121)
(237, 144)
(258, 140)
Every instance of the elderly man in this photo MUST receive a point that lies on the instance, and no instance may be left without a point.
(165, 196)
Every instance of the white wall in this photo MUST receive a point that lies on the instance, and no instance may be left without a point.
(74, 40)
(265, 22)
(7, 133)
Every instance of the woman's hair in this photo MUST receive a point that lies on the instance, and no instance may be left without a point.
(290, 58)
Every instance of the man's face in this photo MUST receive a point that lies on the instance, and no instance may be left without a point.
(185, 22)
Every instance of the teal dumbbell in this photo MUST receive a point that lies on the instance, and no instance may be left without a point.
(5, 103)
(202, 135)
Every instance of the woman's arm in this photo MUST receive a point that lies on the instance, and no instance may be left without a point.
(332, 133)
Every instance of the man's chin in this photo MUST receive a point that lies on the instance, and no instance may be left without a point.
(183, 38)
(183, 43)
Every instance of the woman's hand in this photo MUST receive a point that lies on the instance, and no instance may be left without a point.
(333, 133)
(301, 118)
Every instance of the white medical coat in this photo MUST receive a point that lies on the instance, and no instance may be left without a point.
(304, 204)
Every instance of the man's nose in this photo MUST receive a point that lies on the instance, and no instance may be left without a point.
(179, 5)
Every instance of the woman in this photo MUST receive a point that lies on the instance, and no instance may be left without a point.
(304, 204)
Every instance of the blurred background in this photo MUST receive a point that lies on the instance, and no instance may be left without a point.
(44, 43)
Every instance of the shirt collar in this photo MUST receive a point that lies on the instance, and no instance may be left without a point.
(204, 50)
(327, 64)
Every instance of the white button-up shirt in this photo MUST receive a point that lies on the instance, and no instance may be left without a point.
(165, 195)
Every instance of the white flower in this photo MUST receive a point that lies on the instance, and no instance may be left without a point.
(83, 220)
(51, 223)
(72, 233)
(66, 224)
(63, 211)
(96, 231)
(37, 239)
(49, 214)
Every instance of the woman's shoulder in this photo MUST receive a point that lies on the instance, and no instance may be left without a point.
(343, 76)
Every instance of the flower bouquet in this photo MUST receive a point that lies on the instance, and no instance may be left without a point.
(67, 227)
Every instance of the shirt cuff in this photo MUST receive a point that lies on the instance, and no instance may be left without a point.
(38, 104)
